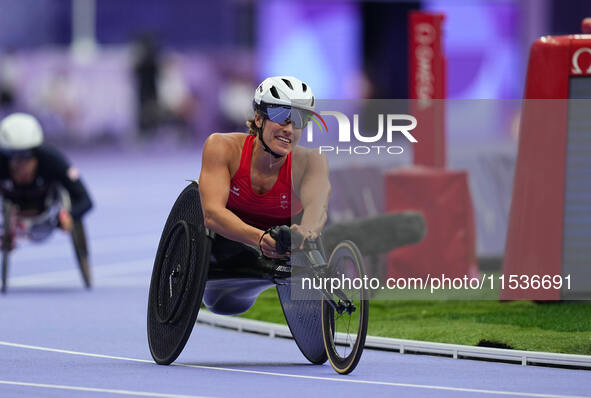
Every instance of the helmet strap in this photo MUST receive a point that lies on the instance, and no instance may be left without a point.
(265, 146)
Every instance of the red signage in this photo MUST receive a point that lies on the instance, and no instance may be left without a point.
(427, 82)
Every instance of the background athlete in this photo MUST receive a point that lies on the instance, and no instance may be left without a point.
(34, 178)
(251, 182)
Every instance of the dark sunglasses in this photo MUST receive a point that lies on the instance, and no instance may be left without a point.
(18, 155)
(299, 118)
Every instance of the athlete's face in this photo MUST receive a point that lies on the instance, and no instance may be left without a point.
(22, 170)
(282, 138)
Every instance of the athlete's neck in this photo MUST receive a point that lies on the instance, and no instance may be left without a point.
(264, 161)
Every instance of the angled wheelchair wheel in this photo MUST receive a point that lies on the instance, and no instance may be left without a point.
(81, 250)
(5, 256)
(304, 320)
(178, 278)
(6, 243)
(345, 315)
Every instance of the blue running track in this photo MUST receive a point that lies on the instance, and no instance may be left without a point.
(59, 340)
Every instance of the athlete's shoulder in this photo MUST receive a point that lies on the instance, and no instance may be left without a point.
(224, 144)
(227, 138)
(303, 155)
(51, 155)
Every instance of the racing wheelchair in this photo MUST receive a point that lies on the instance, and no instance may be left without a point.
(193, 265)
(17, 225)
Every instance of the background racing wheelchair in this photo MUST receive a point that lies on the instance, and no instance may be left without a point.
(20, 223)
(193, 265)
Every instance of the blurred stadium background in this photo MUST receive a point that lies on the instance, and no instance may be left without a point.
(131, 76)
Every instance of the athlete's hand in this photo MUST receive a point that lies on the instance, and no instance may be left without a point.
(302, 231)
(65, 220)
(268, 247)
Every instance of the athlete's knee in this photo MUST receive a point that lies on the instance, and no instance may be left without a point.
(222, 302)
(41, 231)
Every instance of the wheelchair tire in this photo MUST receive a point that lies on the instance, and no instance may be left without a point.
(5, 256)
(344, 346)
(6, 244)
(303, 318)
(178, 278)
(81, 250)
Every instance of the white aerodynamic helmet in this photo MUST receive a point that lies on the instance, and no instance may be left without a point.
(284, 90)
(19, 132)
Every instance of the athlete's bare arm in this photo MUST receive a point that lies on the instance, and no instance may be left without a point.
(314, 191)
(214, 188)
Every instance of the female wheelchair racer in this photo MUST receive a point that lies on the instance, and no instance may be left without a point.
(193, 264)
(219, 243)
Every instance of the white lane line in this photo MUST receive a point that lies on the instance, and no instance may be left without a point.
(343, 379)
(109, 270)
(93, 389)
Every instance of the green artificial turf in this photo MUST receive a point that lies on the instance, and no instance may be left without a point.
(563, 327)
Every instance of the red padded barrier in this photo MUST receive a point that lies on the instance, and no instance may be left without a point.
(535, 232)
(444, 199)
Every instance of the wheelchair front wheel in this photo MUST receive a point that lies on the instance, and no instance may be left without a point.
(345, 314)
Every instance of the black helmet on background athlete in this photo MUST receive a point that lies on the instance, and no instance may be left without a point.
(283, 99)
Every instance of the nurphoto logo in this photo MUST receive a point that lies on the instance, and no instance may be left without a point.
(388, 125)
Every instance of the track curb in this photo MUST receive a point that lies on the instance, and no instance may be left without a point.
(403, 346)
